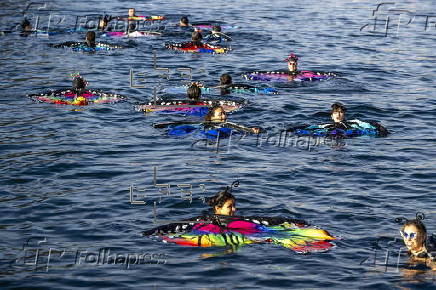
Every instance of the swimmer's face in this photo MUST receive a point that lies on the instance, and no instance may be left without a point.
(292, 65)
(413, 239)
(102, 24)
(228, 208)
(338, 116)
(219, 115)
(131, 12)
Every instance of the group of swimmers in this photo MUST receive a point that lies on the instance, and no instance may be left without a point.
(421, 247)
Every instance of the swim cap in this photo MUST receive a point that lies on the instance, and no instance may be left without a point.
(292, 56)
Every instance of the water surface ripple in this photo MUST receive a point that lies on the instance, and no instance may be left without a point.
(65, 174)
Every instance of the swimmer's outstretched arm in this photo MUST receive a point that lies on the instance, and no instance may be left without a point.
(255, 130)
(225, 36)
(383, 132)
(167, 124)
(63, 44)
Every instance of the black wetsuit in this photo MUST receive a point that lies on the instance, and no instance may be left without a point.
(430, 245)
(220, 220)
(226, 89)
(346, 125)
(73, 44)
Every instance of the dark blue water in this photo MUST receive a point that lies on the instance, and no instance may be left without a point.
(65, 174)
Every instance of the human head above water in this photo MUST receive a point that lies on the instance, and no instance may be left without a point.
(225, 79)
(223, 203)
(131, 12)
(338, 112)
(79, 83)
(216, 114)
(102, 24)
(184, 21)
(216, 28)
(196, 36)
(25, 25)
(90, 38)
(414, 234)
(292, 61)
(194, 92)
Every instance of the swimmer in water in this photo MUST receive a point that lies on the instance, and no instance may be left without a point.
(88, 45)
(216, 36)
(184, 22)
(292, 61)
(131, 12)
(90, 39)
(131, 24)
(223, 203)
(225, 80)
(25, 25)
(194, 92)
(103, 23)
(338, 115)
(79, 87)
(26, 28)
(79, 84)
(197, 38)
(420, 247)
(89, 42)
(217, 115)
(226, 85)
